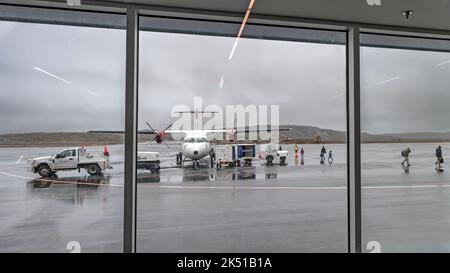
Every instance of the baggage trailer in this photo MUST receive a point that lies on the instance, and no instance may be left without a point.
(235, 155)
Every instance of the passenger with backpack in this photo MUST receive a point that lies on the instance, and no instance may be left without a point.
(439, 160)
(323, 152)
(405, 154)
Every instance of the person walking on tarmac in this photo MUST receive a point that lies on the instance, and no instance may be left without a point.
(302, 152)
(296, 154)
(323, 152)
(440, 159)
(212, 156)
(405, 154)
(330, 157)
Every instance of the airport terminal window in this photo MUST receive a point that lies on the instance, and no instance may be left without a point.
(241, 139)
(58, 83)
(272, 175)
(405, 84)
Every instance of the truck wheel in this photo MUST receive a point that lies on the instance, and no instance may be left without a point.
(154, 169)
(283, 160)
(93, 169)
(269, 159)
(45, 171)
(248, 163)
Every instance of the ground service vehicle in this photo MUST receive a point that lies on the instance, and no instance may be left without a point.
(235, 155)
(70, 159)
(148, 161)
(273, 153)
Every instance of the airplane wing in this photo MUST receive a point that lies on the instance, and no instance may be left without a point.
(263, 130)
(144, 132)
(175, 131)
(196, 131)
(241, 131)
(217, 131)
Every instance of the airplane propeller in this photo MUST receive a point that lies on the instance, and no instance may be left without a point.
(159, 135)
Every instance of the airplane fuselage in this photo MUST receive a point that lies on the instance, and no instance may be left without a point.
(195, 146)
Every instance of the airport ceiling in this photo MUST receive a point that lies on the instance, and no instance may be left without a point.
(430, 14)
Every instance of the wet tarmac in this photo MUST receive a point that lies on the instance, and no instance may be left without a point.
(290, 208)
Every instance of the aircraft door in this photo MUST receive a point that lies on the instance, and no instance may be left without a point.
(66, 159)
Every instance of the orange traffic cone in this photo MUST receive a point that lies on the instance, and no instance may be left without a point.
(105, 151)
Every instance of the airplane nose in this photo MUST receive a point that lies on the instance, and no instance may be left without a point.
(195, 152)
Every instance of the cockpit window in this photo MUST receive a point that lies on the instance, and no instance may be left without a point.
(200, 140)
(189, 140)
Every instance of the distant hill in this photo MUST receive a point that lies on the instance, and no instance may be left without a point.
(309, 133)
(297, 134)
(421, 137)
(63, 139)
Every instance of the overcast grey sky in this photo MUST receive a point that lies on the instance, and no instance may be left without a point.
(306, 80)
(403, 91)
(90, 60)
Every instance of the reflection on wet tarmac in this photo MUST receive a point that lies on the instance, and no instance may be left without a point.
(88, 181)
(149, 178)
(248, 173)
(39, 184)
(406, 168)
(208, 174)
(72, 190)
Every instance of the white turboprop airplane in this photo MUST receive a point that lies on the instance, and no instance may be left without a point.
(195, 143)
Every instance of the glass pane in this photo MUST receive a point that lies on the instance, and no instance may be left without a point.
(404, 119)
(221, 186)
(58, 83)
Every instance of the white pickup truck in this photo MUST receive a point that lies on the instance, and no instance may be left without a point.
(69, 159)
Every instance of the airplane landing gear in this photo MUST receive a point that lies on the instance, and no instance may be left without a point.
(195, 164)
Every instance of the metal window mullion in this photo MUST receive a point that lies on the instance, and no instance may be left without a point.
(131, 99)
(354, 141)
